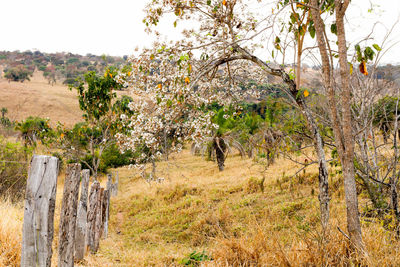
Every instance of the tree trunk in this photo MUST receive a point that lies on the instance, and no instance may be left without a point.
(220, 149)
(40, 201)
(353, 220)
(81, 223)
(342, 130)
(68, 216)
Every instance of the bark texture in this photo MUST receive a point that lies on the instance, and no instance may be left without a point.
(92, 214)
(81, 223)
(342, 128)
(40, 200)
(66, 243)
(220, 150)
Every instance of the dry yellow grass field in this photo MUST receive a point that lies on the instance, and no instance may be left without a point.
(38, 98)
(225, 214)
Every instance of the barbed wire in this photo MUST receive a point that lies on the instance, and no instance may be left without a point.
(6, 161)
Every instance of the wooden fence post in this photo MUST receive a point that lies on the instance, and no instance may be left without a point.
(92, 212)
(81, 220)
(68, 216)
(106, 201)
(98, 230)
(106, 211)
(40, 201)
(114, 187)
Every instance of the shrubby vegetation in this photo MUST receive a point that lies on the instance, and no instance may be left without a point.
(17, 74)
(14, 163)
(61, 67)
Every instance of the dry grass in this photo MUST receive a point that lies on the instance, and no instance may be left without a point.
(38, 98)
(225, 214)
(10, 233)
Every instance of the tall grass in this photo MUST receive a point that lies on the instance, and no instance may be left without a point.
(10, 233)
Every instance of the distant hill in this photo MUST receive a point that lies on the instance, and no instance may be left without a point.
(58, 67)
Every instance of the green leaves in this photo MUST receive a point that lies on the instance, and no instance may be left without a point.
(334, 28)
(367, 54)
(311, 29)
(95, 98)
(377, 47)
(277, 43)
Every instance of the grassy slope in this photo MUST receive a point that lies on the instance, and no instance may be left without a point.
(38, 98)
(226, 214)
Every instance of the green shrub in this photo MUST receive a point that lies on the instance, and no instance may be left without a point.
(13, 169)
(35, 129)
(111, 158)
(194, 259)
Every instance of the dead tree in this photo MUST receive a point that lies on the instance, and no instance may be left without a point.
(40, 201)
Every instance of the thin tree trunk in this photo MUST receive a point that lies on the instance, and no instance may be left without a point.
(393, 178)
(353, 216)
(344, 138)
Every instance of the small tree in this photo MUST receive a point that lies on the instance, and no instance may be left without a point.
(35, 129)
(18, 74)
(87, 141)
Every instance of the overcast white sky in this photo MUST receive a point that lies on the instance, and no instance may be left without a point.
(116, 28)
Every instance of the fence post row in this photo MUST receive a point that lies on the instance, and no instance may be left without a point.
(81, 226)
(81, 220)
(40, 201)
(68, 216)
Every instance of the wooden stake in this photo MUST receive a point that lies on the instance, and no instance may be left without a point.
(40, 201)
(68, 216)
(81, 220)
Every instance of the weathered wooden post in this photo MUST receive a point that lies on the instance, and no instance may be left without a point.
(114, 190)
(94, 208)
(98, 230)
(40, 201)
(106, 205)
(81, 219)
(106, 211)
(68, 216)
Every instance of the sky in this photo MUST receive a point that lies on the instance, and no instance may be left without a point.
(116, 28)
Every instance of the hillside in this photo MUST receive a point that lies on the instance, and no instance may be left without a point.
(38, 98)
(227, 215)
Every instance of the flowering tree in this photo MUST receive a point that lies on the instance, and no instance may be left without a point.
(224, 36)
(167, 112)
